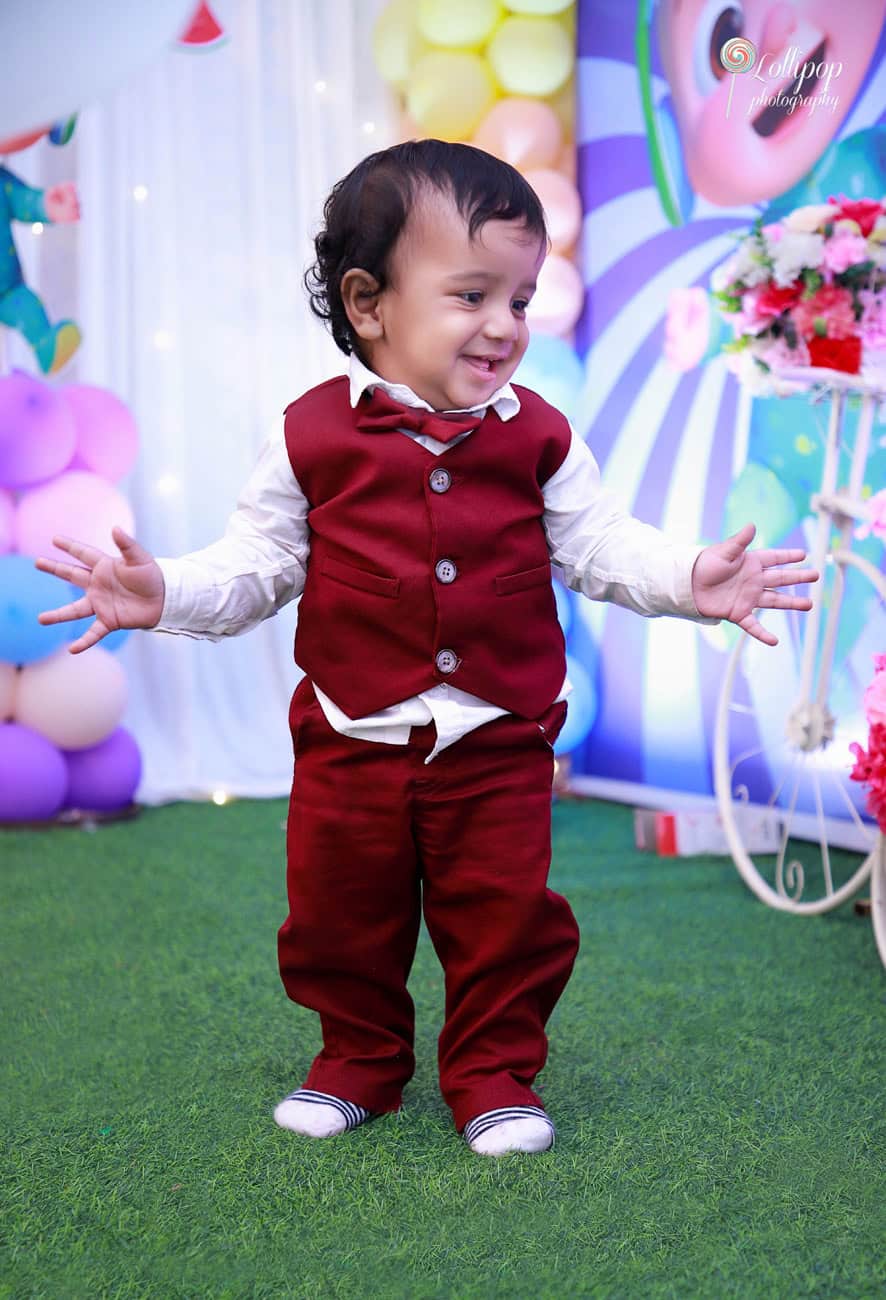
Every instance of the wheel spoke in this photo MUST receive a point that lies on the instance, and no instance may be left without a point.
(822, 835)
(779, 865)
(853, 811)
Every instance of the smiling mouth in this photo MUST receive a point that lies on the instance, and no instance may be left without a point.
(486, 365)
(788, 97)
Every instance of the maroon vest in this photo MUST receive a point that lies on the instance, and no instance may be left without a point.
(427, 569)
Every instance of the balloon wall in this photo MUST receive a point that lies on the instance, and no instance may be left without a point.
(500, 74)
(63, 450)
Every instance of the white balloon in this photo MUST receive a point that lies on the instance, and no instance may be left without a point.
(73, 700)
(61, 55)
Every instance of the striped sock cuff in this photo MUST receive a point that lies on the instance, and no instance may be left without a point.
(490, 1118)
(354, 1115)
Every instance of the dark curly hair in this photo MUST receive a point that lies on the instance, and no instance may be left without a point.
(367, 210)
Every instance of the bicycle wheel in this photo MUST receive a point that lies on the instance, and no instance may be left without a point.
(797, 826)
(878, 899)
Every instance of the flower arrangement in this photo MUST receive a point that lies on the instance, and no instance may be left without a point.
(809, 290)
(870, 764)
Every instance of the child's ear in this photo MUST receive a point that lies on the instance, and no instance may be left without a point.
(360, 293)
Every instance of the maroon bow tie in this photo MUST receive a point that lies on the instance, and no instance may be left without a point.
(377, 412)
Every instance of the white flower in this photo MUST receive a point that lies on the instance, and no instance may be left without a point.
(806, 220)
(878, 234)
(751, 376)
(794, 253)
(746, 264)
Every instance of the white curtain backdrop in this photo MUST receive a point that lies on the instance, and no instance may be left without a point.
(202, 183)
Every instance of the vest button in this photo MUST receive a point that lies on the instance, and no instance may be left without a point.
(446, 661)
(440, 480)
(445, 571)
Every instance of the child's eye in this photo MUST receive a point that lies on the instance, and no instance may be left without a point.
(520, 304)
(474, 296)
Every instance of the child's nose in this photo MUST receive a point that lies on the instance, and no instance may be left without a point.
(501, 324)
(780, 23)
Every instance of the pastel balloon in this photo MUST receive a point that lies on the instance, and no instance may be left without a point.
(758, 494)
(107, 438)
(538, 6)
(531, 56)
(8, 681)
(24, 593)
(104, 777)
(523, 132)
(562, 204)
(33, 775)
(61, 55)
(464, 23)
(449, 92)
(397, 43)
(37, 431)
(7, 517)
(558, 298)
(78, 504)
(74, 700)
(563, 102)
(582, 705)
(551, 368)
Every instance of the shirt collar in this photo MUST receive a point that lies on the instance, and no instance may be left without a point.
(504, 401)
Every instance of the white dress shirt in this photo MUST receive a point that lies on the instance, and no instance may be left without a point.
(261, 562)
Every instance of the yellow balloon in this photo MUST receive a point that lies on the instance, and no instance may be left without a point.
(397, 42)
(449, 92)
(464, 23)
(531, 56)
(538, 6)
(563, 104)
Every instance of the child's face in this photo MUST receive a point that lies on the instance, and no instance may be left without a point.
(453, 320)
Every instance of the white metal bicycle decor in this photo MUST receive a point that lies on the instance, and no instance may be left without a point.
(788, 715)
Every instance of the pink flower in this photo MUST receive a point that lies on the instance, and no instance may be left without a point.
(844, 250)
(876, 524)
(870, 769)
(830, 304)
(875, 700)
(872, 325)
(779, 355)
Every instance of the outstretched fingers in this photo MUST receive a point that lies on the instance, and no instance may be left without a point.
(755, 628)
(94, 633)
(131, 550)
(775, 576)
(81, 608)
(75, 573)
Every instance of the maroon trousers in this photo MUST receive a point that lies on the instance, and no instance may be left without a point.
(374, 835)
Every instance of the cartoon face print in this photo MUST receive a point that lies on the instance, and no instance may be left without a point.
(811, 57)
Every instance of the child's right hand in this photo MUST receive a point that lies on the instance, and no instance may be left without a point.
(122, 592)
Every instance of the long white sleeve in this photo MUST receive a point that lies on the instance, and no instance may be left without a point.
(258, 566)
(605, 553)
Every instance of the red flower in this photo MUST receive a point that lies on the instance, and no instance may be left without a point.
(831, 304)
(870, 770)
(864, 211)
(836, 354)
(772, 300)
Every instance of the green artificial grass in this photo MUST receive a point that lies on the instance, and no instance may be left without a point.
(716, 1075)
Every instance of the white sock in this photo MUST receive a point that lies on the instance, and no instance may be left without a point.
(318, 1114)
(512, 1128)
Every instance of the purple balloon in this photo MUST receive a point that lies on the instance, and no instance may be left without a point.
(37, 431)
(105, 776)
(107, 439)
(33, 775)
(7, 519)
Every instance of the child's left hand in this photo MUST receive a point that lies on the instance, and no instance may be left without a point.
(729, 581)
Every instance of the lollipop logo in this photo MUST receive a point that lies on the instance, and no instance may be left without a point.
(737, 55)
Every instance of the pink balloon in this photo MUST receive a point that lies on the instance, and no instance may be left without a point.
(105, 776)
(7, 521)
(78, 504)
(37, 433)
(107, 439)
(33, 775)
(523, 132)
(8, 683)
(562, 204)
(558, 298)
(74, 700)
